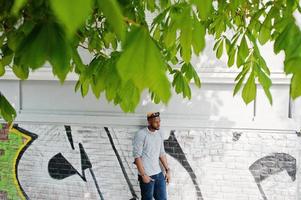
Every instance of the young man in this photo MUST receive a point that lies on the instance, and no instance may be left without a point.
(148, 151)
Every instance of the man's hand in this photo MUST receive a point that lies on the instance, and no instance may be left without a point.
(146, 179)
(167, 176)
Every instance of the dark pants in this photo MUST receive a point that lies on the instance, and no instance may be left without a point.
(156, 188)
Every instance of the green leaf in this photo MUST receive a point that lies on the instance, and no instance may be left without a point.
(178, 82)
(238, 85)
(181, 84)
(8, 55)
(249, 90)
(99, 78)
(112, 12)
(112, 79)
(7, 111)
(18, 4)
(266, 83)
(154, 98)
(130, 96)
(246, 68)
(231, 58)
(95, 42)
(265, 31)
(296, 85)
(220, 27)
(77, 85)
(187, 70)
(2, 69)
(281, 40)
(239, 60)
(204, 8)
(219, 51)
(198, 37)
(186, 36)
(217, 43)
(111, 91)
(59, 57)
(41, 45)
(292, 65)
(109, 38)
(170, 36)
(150, 4)
(72, 14)
(79, 65)
(27, 50)
(190, 73)
(164, 3)
(85, 88)
(186, 88)
(228, 45)
(21, 71)
(262, 64)
(14, 39)
(243, 49)
(157, 33)
(142, 63)
(196, 79)
(241, 77)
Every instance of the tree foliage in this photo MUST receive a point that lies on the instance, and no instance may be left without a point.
(131, 55)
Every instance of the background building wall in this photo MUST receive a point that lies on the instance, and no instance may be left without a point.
(218, 147)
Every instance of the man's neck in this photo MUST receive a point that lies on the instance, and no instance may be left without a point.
(151, 129)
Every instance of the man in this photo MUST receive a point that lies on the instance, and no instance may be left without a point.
(148, 151)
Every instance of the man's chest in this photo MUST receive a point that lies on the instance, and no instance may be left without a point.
(152, 143)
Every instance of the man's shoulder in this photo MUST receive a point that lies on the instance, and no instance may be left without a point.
(141, 132)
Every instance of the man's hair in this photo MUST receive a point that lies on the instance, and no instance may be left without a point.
(153, 115)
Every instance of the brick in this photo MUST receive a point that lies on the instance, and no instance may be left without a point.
(3, 195)
(4, 133)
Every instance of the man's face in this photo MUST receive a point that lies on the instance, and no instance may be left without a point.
(155, 123)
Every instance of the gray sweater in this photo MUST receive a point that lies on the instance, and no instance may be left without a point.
(149, 146)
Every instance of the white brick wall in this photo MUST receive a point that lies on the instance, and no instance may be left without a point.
(221, 165)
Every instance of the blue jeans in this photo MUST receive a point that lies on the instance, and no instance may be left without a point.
(156, 188)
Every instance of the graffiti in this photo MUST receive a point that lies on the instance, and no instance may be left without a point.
(84, 162)
(3, 195)
(59, 167)
(4, 128)
(272, 164)
(236, 136)
(69, 136)
(173, 148)
(121, 165)
(13, 144)
(2, 152)
(298, 133)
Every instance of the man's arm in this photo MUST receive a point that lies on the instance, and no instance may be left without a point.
(139, 165)
(137, 153)
(163, 160)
